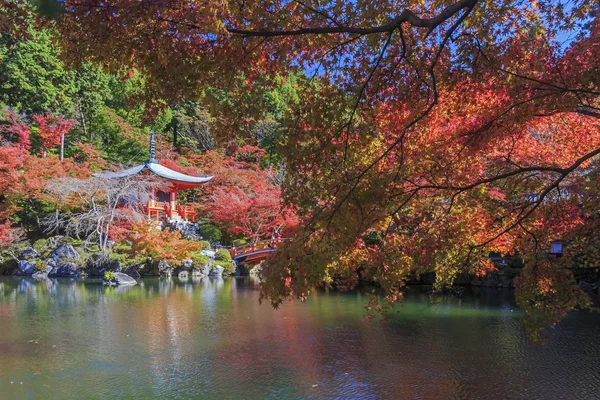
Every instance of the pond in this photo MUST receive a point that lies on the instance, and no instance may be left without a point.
(168, 339)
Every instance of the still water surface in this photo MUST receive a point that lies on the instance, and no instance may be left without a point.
(168, 339)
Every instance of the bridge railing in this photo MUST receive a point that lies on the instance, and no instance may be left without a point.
(256, 246)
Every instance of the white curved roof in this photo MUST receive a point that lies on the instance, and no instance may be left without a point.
(157, 169)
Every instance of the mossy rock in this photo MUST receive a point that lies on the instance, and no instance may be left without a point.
(40, 265)
(42, 248)
(228, 266)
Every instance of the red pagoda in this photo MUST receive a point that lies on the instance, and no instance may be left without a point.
(163, 204)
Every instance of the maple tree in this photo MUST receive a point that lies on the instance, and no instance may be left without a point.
(255, 214)
(164, 244)
(52, 131)
(24, 177)
(242, 198)
(452, 128)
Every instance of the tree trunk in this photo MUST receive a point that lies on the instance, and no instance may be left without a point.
(175, 132)
(62, 147)
(82, 117)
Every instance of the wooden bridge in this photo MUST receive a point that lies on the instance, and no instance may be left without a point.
(255, 252)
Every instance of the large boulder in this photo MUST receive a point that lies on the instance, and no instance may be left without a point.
(187, 229)
(208, 253)
(99, 265)
(28, 253)
(207, 268)
(133, 272)
(124, 279)
(197, 274)
(121, 279)
(183, 275)
(25, 268)
(187, 265)
(66, 270)
(9, 266)
(67, 252)
(164, 269)
(43, 274)
(255, 271)
(217, 271)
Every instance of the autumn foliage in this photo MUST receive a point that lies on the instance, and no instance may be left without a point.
(165, 245)
(452, 129)
(51, 130)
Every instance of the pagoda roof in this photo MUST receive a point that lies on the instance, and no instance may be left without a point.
(180, 180)
(157, 169)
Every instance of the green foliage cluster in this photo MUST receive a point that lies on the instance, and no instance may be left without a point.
(210, 232)
(109, 276)
(42, 248)
(223, 259)
(205, 245)
(40, 265)
(240, 242)
(32, 77)
(199, 260)
(123, 253)
(222, 255)
(228, 267)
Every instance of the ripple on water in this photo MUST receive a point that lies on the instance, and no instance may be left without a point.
(212, 339)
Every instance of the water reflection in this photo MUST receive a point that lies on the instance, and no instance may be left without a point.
(209, 338)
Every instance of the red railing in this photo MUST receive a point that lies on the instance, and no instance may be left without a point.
(188, 213)
(168, 210)
(254, 247)
(158, 211)
(154, 211)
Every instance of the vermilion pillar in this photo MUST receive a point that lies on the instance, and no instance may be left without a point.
(173, 195)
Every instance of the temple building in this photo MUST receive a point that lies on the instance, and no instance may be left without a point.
(163, 204)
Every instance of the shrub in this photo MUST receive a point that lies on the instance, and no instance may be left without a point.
(239, 242)
(123, 253)
(83, 257)
(41, 247)
(228, 266)
(72, 241)
(40, 265)
(93, 248)
(222, 255)
(199, 260)
(210, 233)
(109, 276)
(205, 245)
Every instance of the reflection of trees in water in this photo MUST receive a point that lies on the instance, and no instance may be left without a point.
(192, 337)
